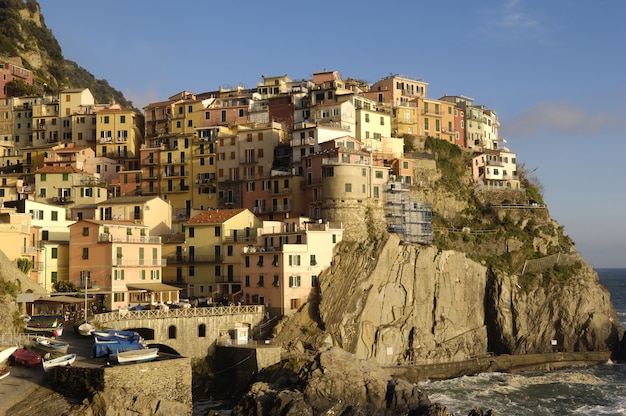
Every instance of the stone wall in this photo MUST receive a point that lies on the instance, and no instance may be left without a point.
(504, 363)
(166, 379)
(182, 333)
(241, 363)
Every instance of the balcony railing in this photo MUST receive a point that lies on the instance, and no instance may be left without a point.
(111, 238)
(121, 262)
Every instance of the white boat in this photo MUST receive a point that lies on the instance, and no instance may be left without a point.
(52, 345)
(137, 356)
(64, 360)
(6, 353)
(85, 329)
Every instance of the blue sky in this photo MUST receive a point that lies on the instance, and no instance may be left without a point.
(555, 71)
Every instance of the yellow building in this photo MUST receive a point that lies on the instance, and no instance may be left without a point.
(213, 247)
(119, 136)
(67, 186)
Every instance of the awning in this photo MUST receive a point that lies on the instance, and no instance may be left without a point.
(152, 287)
(61, 299)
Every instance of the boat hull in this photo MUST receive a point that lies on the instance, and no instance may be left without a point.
(6, 353)
(26, 357)
(63, 361)
(137, 356)
(51, 345)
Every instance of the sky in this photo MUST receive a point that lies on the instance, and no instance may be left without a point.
(554, 71)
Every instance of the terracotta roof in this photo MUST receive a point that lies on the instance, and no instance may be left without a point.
(215, 216)
(59, 169)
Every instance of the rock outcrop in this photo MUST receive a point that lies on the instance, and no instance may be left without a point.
(399, 303)
(335, 382)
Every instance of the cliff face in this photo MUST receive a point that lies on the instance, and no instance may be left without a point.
(577, 315)
(383, 303)
(408, 302)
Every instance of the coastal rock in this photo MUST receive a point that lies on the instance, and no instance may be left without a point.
(120, 403)
(335, 382)
(398, 303)
(574, 315)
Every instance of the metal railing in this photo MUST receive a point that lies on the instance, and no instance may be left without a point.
(177, 313)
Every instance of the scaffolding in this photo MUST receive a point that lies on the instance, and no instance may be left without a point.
(406, 216)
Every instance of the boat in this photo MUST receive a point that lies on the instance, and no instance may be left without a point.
(4, 373)
(137, 356)
(62, 361)
(45, 325)
(114, 333)
(52, 345)
(6, 353)
(86, 329)
(26, 357)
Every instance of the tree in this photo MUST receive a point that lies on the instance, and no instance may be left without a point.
(63, 286)
(24, 265)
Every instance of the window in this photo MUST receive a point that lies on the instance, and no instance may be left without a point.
(118, 274)
(348, 187)
(261, 282)
(247, 281)
(201, 331)
(192, 270)
(405, 164)
(276, 281)
(143, 275)
(376, 192)
(218, 231)
(379, 174)
(247, 261)
(294, 260)
(313, 260)
(85, 231)
(294, 281)
(154, 274)
(171, 332)
(54, 254)
(53, 277)
(260, 262)
(314, 280)
(192, 232)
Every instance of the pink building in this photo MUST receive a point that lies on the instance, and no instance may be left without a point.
(119, 262)
(11, 72)
(282, 270)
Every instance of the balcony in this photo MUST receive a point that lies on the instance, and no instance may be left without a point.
(62, 200)
(181, 188)
(205, 258)
(120, 262)
(144, 239)
(92, 182)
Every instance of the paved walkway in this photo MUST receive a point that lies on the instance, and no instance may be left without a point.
(23, 380)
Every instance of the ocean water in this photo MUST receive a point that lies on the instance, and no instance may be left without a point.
(598, 390)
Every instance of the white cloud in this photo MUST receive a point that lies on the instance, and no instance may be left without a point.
(555, 117)
(512, 17)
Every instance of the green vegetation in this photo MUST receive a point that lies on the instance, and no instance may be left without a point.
(64, 286)
(18, 37)
(488, 232)
(452, 162)
(24, 265)
(9, 288)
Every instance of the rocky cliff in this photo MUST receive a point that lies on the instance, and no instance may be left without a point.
(500, 278)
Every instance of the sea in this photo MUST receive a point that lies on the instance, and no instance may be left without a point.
(597, 390)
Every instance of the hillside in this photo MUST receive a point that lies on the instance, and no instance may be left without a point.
(500, 278)
(25, 40)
